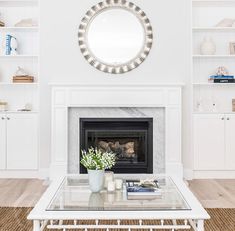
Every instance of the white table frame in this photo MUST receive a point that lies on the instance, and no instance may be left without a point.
(54, 219)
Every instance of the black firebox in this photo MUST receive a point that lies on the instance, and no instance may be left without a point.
(130, 138)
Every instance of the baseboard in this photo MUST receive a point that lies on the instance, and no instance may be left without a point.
(188, 174)
(26, 174)
(30, 174)
(214, 174)
(44, 173)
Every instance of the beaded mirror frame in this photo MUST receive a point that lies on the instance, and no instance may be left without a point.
(118, 68)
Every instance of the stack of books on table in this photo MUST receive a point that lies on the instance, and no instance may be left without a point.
(137, 191)
(222, 79)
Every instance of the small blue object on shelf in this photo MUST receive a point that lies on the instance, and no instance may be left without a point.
(8, 44)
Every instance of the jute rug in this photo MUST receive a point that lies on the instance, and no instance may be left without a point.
(14, 219)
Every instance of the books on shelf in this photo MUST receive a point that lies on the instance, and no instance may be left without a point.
(137, 190)
(222, 79)
(23, 79)
(2, 24)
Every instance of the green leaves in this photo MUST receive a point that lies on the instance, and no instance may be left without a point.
(95, 159)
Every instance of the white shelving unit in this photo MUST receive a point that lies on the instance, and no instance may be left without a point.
(213, 120)
(13, 28)
(213, 56)
(11, 12)
(18, 56)
(18, 84)
(19, 131)
(213, 29)
(205, 15)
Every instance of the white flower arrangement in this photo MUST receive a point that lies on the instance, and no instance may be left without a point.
(95, 159)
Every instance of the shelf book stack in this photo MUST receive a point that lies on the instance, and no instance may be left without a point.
(23, 79)
(222, 79)
(137, 191)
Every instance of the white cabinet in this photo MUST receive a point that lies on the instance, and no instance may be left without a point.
(214, 148)
(2, 142)
(208, 142)
(21, 141)
(230, 142)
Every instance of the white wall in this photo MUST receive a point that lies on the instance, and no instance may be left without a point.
(61, 60)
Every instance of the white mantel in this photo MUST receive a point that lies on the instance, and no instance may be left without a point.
(76, 95)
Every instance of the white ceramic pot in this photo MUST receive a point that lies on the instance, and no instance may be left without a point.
(96, 180)
(208, 46)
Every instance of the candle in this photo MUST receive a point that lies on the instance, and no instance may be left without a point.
(108, 176)
(111, 186)
(118, 184)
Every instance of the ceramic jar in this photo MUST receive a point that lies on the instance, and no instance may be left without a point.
(208, 46)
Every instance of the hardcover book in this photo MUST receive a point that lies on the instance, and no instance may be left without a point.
(224, 80)
(137, 190)
(222, 77)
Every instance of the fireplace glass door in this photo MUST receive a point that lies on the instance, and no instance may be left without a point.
(131, 139)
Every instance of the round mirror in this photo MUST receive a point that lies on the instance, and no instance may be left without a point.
(115, 36)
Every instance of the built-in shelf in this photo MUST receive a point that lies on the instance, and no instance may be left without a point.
(19, 84)
(213, 84)
(213, 56)
(204, 29)
(18, 112)
(12, 28)
(213, 3)
(18, 56)
(18, 3)
(214, 113)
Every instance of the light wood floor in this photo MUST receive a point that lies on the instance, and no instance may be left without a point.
(214, 193)
(25, 193)
(20, 192)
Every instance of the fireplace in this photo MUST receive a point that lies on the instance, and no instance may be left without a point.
(130, 138)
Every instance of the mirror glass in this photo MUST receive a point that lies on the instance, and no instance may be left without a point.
(115, 36)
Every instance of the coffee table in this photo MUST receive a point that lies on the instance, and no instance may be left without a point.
(68, 202)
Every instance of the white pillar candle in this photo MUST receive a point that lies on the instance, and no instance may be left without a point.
(118, 184)
(111, 186)
(108, 176)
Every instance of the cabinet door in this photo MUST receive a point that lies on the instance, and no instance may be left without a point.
(2, 142)
(22, 141)
(209, 142)
(230, 142)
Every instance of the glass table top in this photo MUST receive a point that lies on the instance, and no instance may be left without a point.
(74, 195)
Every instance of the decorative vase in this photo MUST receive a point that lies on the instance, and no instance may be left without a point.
(208, 46)
(96, 180)
(13, 46)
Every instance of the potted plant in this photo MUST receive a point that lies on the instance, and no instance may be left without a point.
(96, 162)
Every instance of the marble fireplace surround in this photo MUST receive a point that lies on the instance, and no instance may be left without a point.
(158, 115)
(71, 101)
